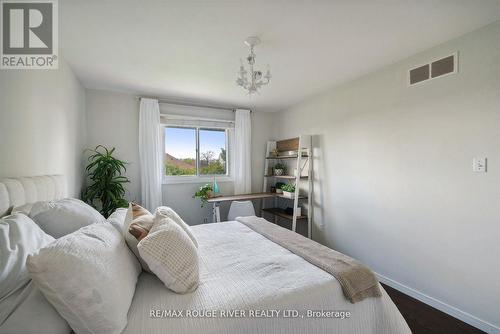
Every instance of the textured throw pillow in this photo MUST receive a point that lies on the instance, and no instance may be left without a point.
(171, 255)
(138, 222)
(165, 211)
(89, 276)
(64, 216)
(23, 309)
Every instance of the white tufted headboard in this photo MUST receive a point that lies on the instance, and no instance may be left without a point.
(23, 190)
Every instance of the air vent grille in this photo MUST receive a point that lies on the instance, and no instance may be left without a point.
(438, 68)
(419, 74)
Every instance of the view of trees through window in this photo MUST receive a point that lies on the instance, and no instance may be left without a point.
(180, 151)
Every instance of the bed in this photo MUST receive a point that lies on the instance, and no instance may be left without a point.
(248, 284)
(242, 270)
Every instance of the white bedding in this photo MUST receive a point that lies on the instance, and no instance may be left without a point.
(242, 270)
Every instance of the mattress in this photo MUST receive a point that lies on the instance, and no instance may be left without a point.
(248, 284)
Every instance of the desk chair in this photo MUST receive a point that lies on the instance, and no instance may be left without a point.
(240, 209)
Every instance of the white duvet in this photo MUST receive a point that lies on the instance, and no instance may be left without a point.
(247, 284)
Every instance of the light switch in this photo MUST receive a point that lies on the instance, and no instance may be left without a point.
(479, 165)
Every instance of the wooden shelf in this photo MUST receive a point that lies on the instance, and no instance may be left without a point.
(249, 197)
(283, 196)
(281, 213)
(286, 157)
(288, 177)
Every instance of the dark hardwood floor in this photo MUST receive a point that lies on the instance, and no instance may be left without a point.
(424, 319)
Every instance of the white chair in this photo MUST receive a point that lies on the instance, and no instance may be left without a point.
(240, 209)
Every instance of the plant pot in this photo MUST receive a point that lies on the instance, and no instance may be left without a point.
(279, 191)
(279, 172)
(288, 194)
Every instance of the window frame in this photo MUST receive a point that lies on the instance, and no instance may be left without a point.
(198, 178)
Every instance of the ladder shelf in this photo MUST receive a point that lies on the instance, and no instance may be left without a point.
(297, 156)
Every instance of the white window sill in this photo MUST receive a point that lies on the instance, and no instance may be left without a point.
(195, 179)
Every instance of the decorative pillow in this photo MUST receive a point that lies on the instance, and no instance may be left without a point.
(23, 309)
(89, 276)
(64, 216)
(138, 222)
(171, 255)
(165, 211)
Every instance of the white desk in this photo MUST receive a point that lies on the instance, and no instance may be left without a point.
(244, 197)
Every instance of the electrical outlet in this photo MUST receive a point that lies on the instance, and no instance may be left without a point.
(479, 165)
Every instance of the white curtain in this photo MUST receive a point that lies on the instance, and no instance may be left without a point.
(242, 152)
(150, 153)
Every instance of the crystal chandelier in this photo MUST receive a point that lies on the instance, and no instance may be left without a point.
(256, 79)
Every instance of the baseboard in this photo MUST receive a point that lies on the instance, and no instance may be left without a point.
(446, 308)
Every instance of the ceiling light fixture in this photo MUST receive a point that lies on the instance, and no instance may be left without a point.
(256, 80)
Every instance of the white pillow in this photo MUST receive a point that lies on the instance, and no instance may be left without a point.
(171, 255)
(89, 276)
(64, 216)
(19, 237)
(117, 219)
(165, 211)
(23, 309)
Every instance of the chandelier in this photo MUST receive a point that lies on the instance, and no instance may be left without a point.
(256, 79)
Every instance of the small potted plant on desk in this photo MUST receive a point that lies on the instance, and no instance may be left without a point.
(288, 190)
(204, 193)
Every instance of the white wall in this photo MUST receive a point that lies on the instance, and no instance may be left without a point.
(393, 175)
(262, 132)
(113, 120)
(42, 124)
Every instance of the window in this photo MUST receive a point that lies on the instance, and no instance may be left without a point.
(212, 147)
(180, 151)
(195, 151)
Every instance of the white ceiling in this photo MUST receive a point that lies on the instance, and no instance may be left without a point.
(190, 50)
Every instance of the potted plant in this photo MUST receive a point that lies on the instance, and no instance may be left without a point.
(105, 192)
(278, 186)
(288, 190)
(204, 193)
(279, 169)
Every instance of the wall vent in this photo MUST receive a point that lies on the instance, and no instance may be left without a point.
(435, 69)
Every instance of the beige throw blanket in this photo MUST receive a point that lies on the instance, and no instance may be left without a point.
(358, 282)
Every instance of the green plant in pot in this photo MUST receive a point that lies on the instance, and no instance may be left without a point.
(279, 169)
(278, 186)
(105, 174)
(204, 193)
(288, 190)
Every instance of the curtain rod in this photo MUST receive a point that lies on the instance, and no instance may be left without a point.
(187, 104)
(194, 118)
